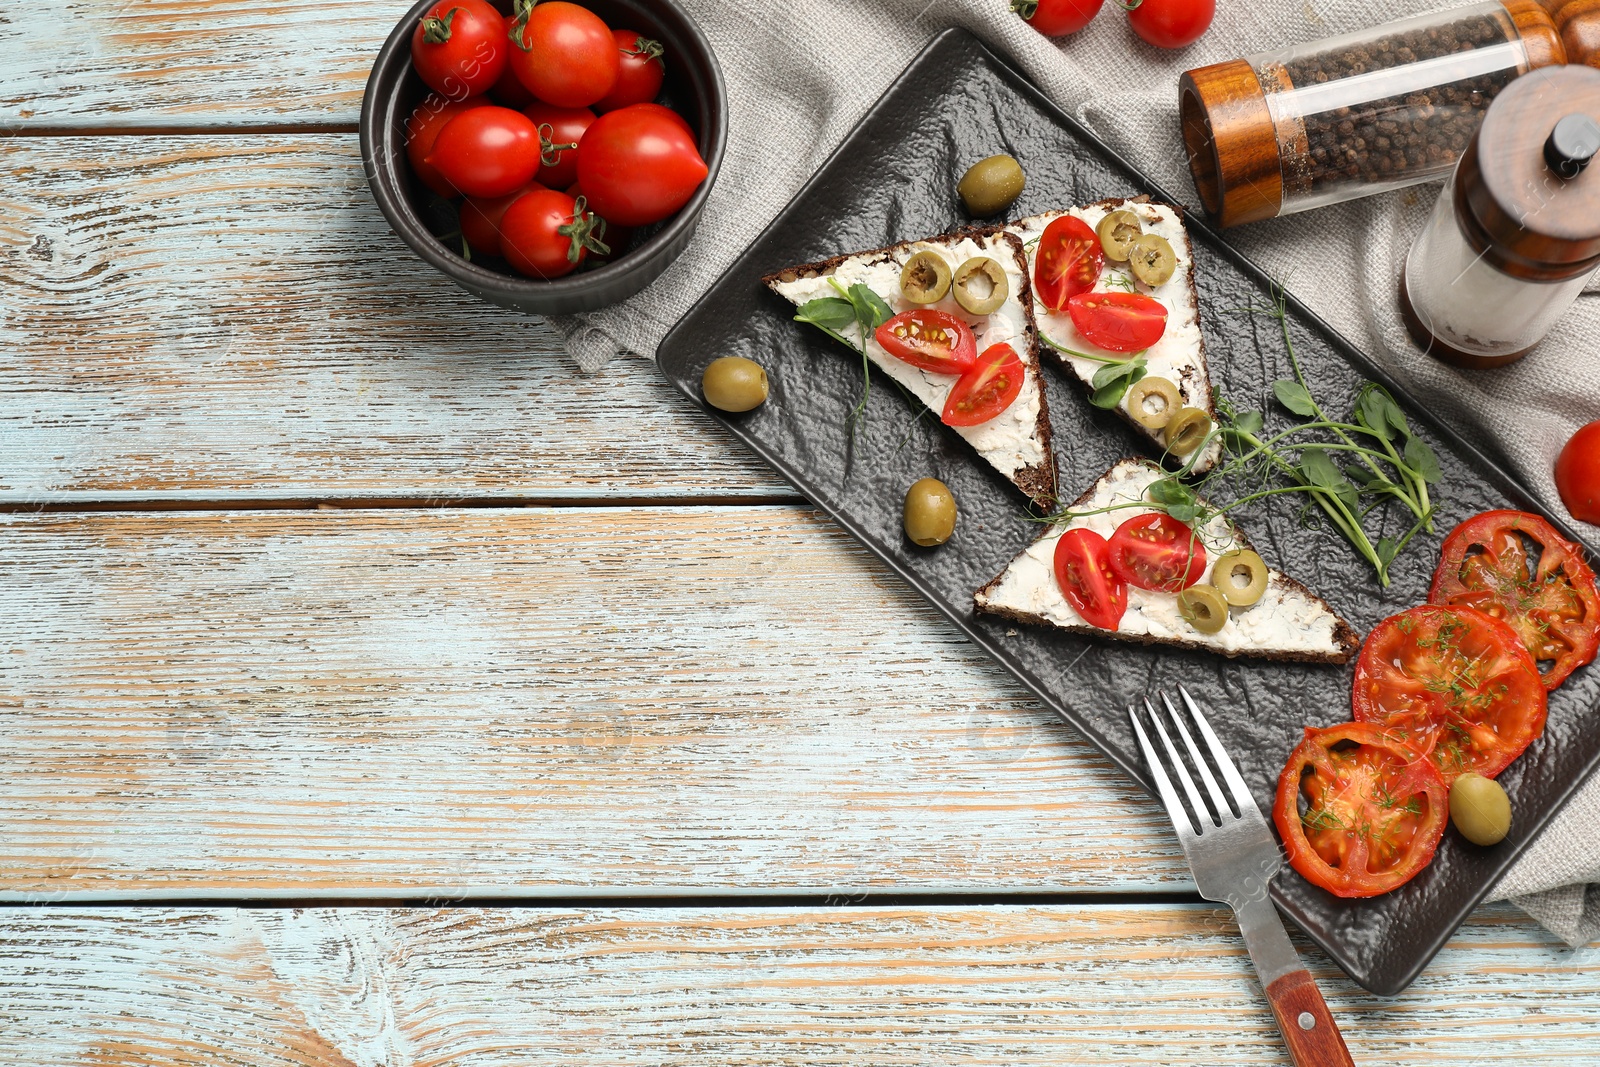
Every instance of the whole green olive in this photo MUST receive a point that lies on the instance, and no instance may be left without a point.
(1480, 809)
(1240, 576)
(734, 383)
(991, 185)
(925, 278)
(930, 512)
(980, 286)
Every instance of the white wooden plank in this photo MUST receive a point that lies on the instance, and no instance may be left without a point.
(519, 701)
(1110, 986)
(230, 316)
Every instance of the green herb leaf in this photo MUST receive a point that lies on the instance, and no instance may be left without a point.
(1374, 483)
(1376, 409)
(1386, 549)
(1169, 492)
(829, 312)
(1420, 458)
(870, 307)
(1110, 383)
(1111, 372)
(1250, 422)
(1295, 397)
(1319, 470)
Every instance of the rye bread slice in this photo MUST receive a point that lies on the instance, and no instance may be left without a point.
(1290, 623)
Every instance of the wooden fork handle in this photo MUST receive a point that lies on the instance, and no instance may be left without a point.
(1306, 1023)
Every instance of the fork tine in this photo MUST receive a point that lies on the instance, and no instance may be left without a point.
(1202, 817)
(1219, 803)
(1169, 796)
(1230, 773)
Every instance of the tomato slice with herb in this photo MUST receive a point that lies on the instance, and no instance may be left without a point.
(1119, 322)
(987, 389)
(1087, 581)
(1156, 551)
(1358, 812)
(1068, 262)
(931, 340)
(1453, 684)
(1550, 601)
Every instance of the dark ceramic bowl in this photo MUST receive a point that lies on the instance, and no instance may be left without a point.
(693, 87)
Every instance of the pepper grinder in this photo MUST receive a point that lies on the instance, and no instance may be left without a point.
(1515, 234)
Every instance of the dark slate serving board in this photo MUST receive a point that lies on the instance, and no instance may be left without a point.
(894, 179)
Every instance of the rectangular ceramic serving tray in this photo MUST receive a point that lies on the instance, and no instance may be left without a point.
(894, 179)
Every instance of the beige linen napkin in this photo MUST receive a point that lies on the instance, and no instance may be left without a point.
(800, 73)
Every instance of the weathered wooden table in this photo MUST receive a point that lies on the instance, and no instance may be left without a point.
(373, 690)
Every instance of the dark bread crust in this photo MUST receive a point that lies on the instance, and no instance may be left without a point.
(1344, 634)
(1039, 480)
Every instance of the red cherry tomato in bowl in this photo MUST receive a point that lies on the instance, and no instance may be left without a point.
(1068, 261)
(1578, 474)
(1084, 574)
(986, 390)
(1156, 551)
(480, 219)
(422, 130)
(1057, 18)
(564, 54)
(1171, 23)
(1118, 322)
(640, 71)
(638, 166)
(566, 128)
(508, 90)
(544, 235)
(487, 151)
(931, 340)
(459, 48)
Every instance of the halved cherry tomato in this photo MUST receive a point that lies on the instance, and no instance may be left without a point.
(1358, 813)
(640, 73)
(1550, 602)
(543, 235)
(460, 48)
(987, 389)
(560, 130)
(1578, 474)
(1119, 322)
(563, 53)
(1156, 551)
(480, 219)
(1068, 262)
(487, 151)
(929, 339)
(1087, 581)
(1453, 684)
(422, 129)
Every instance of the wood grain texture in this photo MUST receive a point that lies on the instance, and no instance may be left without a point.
(230, 317)
(519, 701)
(1109, 986)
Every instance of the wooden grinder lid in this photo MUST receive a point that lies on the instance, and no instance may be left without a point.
(1231, 142)
(1578, 23)
(1526, 196)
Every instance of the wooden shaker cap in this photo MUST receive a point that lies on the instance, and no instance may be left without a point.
(1231, 142)
(1578, 23)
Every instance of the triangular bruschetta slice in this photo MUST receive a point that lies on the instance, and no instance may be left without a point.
(1179, 356)
(1287, 622)
(1016, 439)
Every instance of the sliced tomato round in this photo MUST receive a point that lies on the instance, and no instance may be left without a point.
(1549, 600)
(931, 340)
(1156, 551)
(986, 390)
(1087, 581)
(1453, 684)
(1119, 322)
(1068, 262)
(1359, 813)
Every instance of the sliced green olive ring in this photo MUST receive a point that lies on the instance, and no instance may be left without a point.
(1152, 259)
(991, 185)
(1240, 576)
(1186, 430)
(980, 286)
(1153, 402)
(734, 383)
(925, 278)
(930, 512)
(1203, 608)
(1480, 809)
(1117, 232)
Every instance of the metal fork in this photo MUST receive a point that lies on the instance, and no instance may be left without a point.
(1233, 856)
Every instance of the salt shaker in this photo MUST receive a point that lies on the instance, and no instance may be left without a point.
(1515, 234)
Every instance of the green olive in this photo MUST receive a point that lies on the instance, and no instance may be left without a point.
(991, 185)
(1203, 607)
(1153, 402)
(1240, 576)
(1152, 259)
(1186, 430)
(1480, 809)
(930, 512)
(1118, 231)
(734, 383)
(925, 278)
(980, 285)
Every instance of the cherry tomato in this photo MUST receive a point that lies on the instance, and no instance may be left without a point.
(638, 166)
(1083, 571)
(459, 48)
(559, 143)
(1453, 684)
(1578, 474)
(615, 238)
(639, 74)
(987, 389)
(508, 90)
(487, 151)
(564, 53)
(1057, 18)
(1171, 23)
(1156, 551)
(480, 219)
(1118, 322)
(1069, 261)
(1550, 601)
(543, 234)
(1358, 813)
(422, 130)
(931, 340)
(667, 113)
